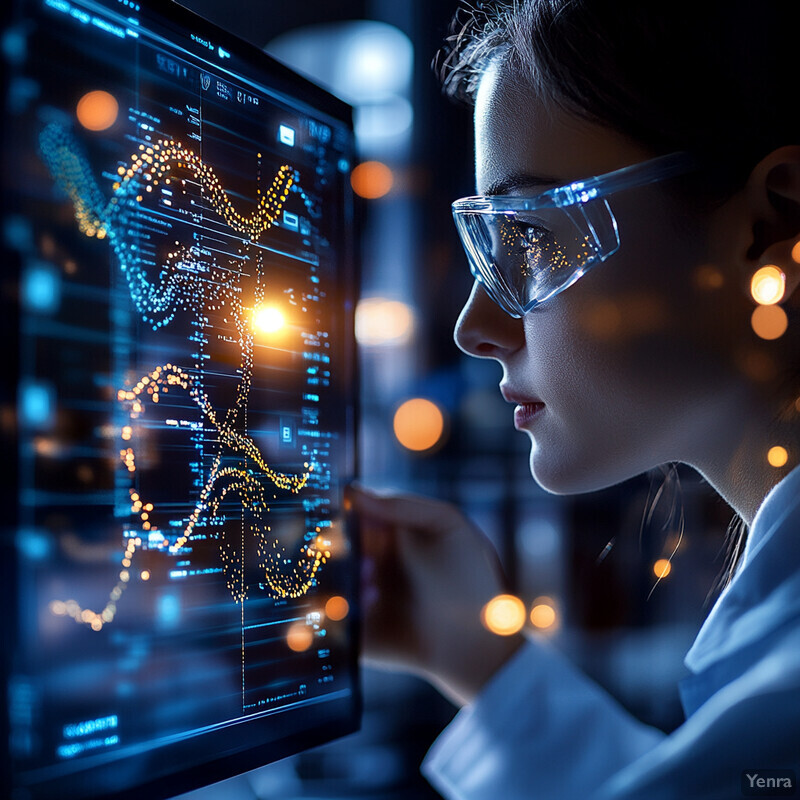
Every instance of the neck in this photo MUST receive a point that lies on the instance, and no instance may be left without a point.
(746, 470)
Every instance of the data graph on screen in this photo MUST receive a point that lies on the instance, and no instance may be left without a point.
(186, 395)
(195, 285)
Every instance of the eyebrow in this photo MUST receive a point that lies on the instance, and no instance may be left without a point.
(520, 181)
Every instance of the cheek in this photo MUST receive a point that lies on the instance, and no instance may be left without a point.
(634, 359)
(665, 280)
(601, 409)
(659, 304)
(623, 375)
(635, 349)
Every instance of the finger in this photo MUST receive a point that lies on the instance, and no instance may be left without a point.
(377, 539)
(369, 591)
(407, 510)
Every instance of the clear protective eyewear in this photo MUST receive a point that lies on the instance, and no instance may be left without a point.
(524, 250)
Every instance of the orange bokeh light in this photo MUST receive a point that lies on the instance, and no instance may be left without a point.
(543, 614)
(371, 179)
(268, 319)
(418, 424)
(662, 568)
(336, 608)
(97, 110)
(504, 614)
(768, 285)
(777, 456)
(708, 277)
(769, 322)
(300, 637)
(380, 321)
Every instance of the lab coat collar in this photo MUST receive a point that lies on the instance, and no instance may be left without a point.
(765, 592)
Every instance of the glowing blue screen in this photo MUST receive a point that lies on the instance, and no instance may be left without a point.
(185, 418)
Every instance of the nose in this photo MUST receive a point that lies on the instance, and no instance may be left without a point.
(484, 330)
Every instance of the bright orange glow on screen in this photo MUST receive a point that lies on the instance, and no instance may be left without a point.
(268, 319)
(336, 608)
(300, 637)
(97, 110)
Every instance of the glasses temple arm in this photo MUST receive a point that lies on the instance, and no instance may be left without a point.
(657, 169)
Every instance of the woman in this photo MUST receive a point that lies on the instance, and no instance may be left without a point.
(698, 101)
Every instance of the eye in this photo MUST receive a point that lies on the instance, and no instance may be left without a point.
(533, 233)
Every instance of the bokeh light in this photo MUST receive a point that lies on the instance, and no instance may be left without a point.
(757, 365)
(371, 179)
(796, 252)
(97, 110)
(708, 277)
(543, 613)
(503, 615)
(336, 608)
(777, 456)
(769, 322)
(603, 320)
(662, 568)
(300, 637)
(58, 607)
(768, 285)
(418, 424)
(382, 322)
(268, 319)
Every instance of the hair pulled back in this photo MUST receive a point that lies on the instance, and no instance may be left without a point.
(715, 77)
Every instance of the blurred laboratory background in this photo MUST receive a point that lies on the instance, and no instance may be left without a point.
(618, 580)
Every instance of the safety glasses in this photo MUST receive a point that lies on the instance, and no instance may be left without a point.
(525, 250)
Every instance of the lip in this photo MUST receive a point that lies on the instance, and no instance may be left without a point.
(511, 395)
(526, 407)
(525, 412)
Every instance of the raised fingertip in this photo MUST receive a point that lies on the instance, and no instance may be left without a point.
(357, 493)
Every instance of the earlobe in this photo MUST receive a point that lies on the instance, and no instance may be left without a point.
(773, 199)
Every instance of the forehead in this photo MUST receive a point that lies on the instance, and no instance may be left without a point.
(519, 133)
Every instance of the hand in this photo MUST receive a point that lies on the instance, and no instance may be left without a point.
(427, 573)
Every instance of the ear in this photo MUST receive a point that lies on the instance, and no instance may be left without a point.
(773, 206)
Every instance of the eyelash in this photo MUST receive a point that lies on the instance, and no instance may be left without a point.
(530, 230)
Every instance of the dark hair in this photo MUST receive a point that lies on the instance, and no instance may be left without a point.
(717, 78)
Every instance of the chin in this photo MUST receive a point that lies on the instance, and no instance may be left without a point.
(561, 475)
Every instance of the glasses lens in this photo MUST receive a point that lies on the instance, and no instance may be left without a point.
(476, 236)
(525, 257)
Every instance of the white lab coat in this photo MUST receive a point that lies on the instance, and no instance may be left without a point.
(542, 729)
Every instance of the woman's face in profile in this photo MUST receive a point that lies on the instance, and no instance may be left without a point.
(638, 363)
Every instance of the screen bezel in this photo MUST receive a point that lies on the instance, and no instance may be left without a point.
(285, 81)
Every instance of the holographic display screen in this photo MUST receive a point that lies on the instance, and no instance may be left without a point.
(184, 590)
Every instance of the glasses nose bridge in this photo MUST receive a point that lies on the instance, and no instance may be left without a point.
(480, 242)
